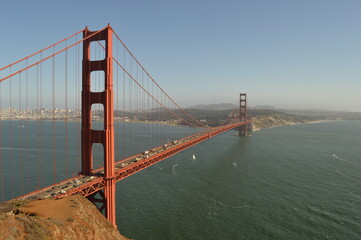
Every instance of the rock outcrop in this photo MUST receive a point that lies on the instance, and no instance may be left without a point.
(70, 218)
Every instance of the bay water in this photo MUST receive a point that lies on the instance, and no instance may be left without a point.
(292, 182)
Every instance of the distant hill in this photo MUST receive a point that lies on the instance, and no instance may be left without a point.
(264, 107)
(259, 112)
(220, 106)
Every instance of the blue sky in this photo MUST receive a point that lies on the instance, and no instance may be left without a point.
(290, 54)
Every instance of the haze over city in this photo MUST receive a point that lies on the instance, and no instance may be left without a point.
(288, 54)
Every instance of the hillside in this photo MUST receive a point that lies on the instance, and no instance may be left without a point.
(220, 106)
(277, 119)
(69, 218)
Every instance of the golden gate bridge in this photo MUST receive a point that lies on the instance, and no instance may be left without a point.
(90, 76)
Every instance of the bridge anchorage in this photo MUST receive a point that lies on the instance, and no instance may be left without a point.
(96, 183)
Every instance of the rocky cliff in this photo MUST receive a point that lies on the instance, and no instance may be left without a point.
(70, 218)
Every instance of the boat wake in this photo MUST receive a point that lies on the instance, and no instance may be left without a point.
(339, 158)
(244, 206)
(348, 176)
(173, 169)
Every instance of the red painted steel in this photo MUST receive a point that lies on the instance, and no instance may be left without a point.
(99, 183)
(106, 136)
(243, 114)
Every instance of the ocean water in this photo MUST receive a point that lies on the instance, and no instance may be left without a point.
(292, 182)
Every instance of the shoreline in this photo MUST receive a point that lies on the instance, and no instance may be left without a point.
(299, 123)
(325, 120)
(79, 121)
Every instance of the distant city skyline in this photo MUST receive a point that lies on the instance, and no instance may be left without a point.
(287, 54)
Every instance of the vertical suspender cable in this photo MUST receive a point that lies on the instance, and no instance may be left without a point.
(135, 109)
(158, 118)
(145, 145)
(162, 117)
(116, 114)
(53, 118)
(20, 139)
(136, 93)
(137, 106)
(66, 114)
(131, 108)
(146, 106)
(153, 116)
(41, 124)
(10, 139)
(124, 110)
(27, 128)
(144, 126)
(38, 125)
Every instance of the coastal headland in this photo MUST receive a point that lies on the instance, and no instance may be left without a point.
(70, 218)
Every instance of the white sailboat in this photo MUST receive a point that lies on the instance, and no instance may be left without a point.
(194, 157)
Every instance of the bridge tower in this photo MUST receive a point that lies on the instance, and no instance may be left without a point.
(243, 114)
(105, 136)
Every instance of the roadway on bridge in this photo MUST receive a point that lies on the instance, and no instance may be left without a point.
(87, 185)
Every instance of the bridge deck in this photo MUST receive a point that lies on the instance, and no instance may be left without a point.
(87, 185)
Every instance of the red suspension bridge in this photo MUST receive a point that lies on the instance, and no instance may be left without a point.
(46, 153)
